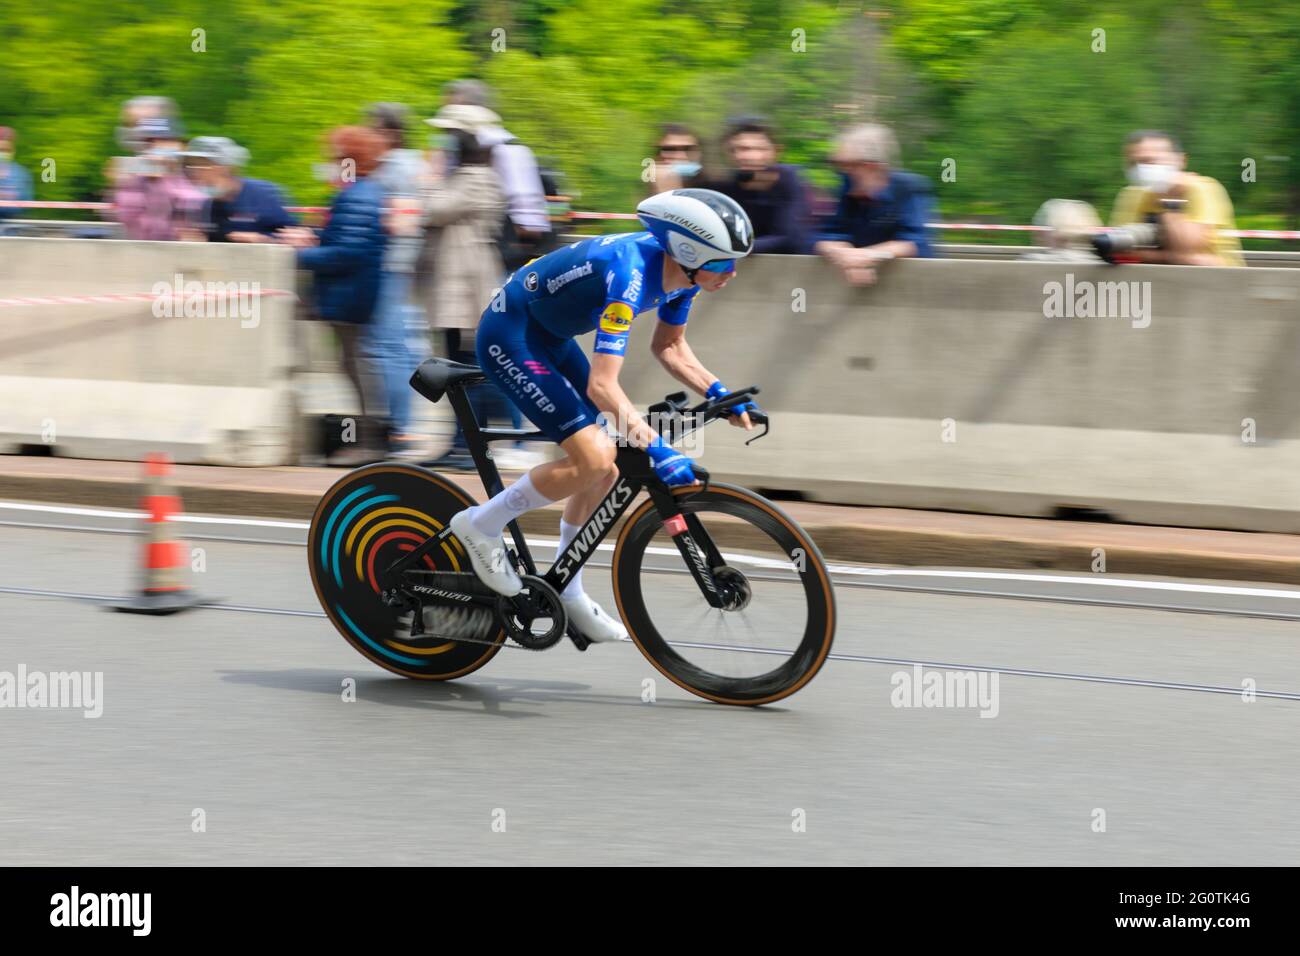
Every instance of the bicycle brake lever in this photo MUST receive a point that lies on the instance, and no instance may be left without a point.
(701, 473)
(767, 427)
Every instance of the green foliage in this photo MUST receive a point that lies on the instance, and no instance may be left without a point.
(1012, 90)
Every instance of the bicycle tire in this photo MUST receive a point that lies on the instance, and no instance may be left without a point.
(819, 630)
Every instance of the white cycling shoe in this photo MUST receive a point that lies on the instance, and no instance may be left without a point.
(487, 555)
(591, 620)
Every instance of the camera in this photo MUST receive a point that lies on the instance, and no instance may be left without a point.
(1110, 244)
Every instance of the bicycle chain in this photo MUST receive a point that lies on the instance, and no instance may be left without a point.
(508, 642)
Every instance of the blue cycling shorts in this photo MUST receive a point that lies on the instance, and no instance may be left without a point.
(543, 374)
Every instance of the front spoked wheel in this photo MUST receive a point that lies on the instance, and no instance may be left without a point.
(775, 629)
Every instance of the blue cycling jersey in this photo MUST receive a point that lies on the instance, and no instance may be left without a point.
(601, 283)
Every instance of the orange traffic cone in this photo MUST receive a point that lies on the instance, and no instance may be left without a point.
(166, 588)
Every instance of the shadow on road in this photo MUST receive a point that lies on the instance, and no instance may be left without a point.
(492, 696)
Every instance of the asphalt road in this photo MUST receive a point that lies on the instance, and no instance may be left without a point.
(1130, 710)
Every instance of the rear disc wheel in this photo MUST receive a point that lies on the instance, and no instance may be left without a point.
(369, 519)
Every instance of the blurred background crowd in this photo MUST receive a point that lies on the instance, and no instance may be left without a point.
(801, 111)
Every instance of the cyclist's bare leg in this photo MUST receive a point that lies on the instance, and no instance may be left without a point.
(586, 471)
(583, 476)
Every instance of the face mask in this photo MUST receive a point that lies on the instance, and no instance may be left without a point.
(686, 170)
(1155, 177)
(5, 155)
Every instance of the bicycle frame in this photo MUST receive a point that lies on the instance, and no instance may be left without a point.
(635, 474)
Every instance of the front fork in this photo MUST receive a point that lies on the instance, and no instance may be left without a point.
(695, 545)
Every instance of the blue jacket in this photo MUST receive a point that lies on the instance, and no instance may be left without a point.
(349, 261)
(899, 212)
(257, 207)
(15, 185)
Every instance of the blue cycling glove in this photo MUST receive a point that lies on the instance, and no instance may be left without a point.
(717, 390)
(672, 467)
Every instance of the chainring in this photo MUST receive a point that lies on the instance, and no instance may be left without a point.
(537, 601)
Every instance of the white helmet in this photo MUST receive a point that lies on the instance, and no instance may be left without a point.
(696, 226)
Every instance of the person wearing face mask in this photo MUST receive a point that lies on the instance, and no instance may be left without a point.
(1192, 213)
(15, 181)
(677, 160)
(240, 209)
(882, 211)
(137, 112)
(153, 199)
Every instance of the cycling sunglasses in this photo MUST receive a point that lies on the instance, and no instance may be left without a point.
(719, 265)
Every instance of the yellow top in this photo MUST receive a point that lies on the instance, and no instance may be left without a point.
(1207, 203)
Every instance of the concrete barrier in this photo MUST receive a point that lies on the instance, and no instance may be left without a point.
(116, 377)
(945, 386)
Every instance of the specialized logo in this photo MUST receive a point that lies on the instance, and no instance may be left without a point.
(439, 592)
(556, 283)
(617, 318)
(701, 567)
(595, 528)
(686, 224)
(530, 282)
(634, 286)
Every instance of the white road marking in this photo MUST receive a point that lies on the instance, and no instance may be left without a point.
(191, 519)
(1098, 580)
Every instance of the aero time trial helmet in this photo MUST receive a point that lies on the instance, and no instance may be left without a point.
(698, 226)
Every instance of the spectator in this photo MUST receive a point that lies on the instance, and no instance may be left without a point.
(677, 159)
(401, 173)
(139, 109)
(347, 260)
(136, 111)
(1193, 213)
(153, 199)
(528, 233)
(1069, 226)
(15, 181)
(773, 194)
(882, 211)
(240, 209)
(463, 206)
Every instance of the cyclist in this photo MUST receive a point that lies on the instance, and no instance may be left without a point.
(525, 343)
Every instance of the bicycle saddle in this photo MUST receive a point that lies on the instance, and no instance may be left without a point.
(436, 375)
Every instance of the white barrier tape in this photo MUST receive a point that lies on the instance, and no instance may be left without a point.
(139, 297)
(628, 217)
